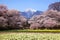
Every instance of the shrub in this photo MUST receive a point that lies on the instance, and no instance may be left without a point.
(34, 26)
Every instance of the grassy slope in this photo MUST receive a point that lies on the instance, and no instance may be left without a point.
(27, 30)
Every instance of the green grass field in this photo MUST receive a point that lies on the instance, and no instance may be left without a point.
(29, 36)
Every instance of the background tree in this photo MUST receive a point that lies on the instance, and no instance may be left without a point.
(11, 19)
